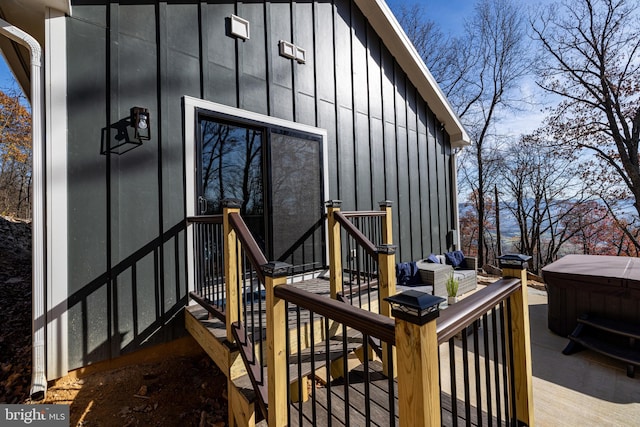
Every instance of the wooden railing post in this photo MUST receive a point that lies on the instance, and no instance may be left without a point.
(387, 224)
(335, 256)
(521, 345)
(417, 345)
(386, 276)
(386, 288)
(275, 274)
(232, 265)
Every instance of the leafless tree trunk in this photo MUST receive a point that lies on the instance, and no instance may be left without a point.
(477, 72)
(590, 58)
(545, 197)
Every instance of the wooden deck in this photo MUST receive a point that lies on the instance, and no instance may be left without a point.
(351, 411)
(332, 396)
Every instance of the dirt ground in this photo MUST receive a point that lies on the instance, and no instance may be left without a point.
(183, 391)
(174, 391)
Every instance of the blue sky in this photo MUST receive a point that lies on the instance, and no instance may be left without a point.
(448, 14)
(6, 78)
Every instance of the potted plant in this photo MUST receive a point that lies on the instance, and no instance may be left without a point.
(452, 289)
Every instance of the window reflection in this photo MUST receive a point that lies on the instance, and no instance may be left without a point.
(231, 167)
(290, 190)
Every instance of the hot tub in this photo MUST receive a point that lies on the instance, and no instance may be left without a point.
(606, 286)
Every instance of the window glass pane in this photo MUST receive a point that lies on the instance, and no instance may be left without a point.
(231, 167)
(296, 198)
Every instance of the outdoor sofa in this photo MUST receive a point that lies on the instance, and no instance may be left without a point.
(436, 274)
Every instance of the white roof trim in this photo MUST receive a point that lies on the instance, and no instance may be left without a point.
(397, 41)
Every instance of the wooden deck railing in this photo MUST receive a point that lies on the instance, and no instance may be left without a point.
(461, 369)
(324, 345)
(364, 261)
(208, 263)
(477, 338)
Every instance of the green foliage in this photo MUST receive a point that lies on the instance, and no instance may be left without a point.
(452, 286)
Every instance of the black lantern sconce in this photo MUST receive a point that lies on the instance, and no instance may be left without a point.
(141, 122)
(415, 307)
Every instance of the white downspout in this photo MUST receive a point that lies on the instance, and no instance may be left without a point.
(456, 208)
(38, 378)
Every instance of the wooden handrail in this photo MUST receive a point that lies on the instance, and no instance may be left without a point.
(369, 247)
(458, 316)
(372, 324)
(251, 248)
(205, 219)
(211, 309)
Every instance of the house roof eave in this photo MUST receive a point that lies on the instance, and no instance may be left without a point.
(396, 40)
(29, 16)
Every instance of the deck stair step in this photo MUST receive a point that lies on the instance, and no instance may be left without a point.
(613, 338)
(614, 326)
(301, 364)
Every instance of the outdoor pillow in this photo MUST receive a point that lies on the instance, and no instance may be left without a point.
(407, 274)
(434, 259)
(456, 259)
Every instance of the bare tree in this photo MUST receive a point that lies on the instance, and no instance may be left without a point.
(477, 71)
(15, 156)
(591, 59)
(545, 194)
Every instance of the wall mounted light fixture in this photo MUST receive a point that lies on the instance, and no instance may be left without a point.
(301, 55)
(240, 27)
(141, 122)
(287, 49)
(291, 51)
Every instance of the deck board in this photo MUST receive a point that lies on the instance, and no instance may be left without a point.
(377, 399)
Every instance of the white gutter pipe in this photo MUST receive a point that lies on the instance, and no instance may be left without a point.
(38, 377)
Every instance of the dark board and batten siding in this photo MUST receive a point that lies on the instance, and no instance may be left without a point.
(127, 237)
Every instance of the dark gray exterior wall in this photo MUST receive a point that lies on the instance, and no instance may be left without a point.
(127, 275)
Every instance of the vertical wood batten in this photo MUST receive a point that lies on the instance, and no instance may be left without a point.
(423, 184)
(413, 169)
(432, 145)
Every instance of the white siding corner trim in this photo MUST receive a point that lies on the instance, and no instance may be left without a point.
(56, 192)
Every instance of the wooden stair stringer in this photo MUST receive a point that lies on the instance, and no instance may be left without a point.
(211, 334)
